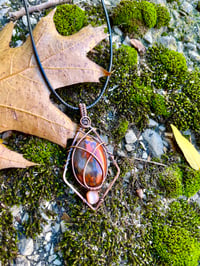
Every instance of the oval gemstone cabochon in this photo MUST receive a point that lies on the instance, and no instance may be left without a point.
(94, 173)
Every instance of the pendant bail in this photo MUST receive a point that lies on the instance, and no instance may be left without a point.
(85, 121)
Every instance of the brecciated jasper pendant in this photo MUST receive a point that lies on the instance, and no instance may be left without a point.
(89, 157)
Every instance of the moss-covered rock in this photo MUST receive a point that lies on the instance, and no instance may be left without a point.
(175, 246)
(127, 56)
(128, 16)
(149, 13)
(171, 181)
(191, 181)
(69, 19)
(176, 235)
(163, 16)
(137, 16)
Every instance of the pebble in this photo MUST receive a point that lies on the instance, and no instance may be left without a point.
(22, 261)
(130, 137)
(26, 246)
(152, 123)
(169, 42)
(190, 46)
(129, 147)
(180, 47)
(48, 236)
(57, 262)
(154, 141)
(148, 37)
(194, 55)
(117, 31)
(121, 153)
(186, 7)
(15, 210)
(52, 257)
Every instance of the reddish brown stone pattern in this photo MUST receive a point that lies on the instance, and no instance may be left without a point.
(93, 173)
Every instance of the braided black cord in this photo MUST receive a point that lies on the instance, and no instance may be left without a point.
(42, 69)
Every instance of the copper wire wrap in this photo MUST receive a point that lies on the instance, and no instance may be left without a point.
(85, 123)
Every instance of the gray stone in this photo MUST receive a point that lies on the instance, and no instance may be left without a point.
(180, 47)
(32, 20)
(175, 14)
(144, 155)
(15, 210)
(52, 257)
(128, 147)
(168, 42)
(63, 226)
(194, 55)
(22, 261)
(57, 262)
(18, 43)
(48, 247)
(56, 227)
(162, 128)
(130, 137)
(48, 236)
(154, 141)
(52, 249)
(121, 153)
(148, 37)
(186, 7)
(152, 123)
(190, 46)
(34, 257)
(161, 2)
(26, 246)
(117, 31)
(47, 228)
(126, 41)
(25, 217)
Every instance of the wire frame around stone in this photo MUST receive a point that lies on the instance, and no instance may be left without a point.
(89, 156)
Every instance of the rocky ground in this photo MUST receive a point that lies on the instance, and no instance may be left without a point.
(185, 31)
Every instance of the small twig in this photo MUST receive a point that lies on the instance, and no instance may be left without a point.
(139, 159)
(16, 15)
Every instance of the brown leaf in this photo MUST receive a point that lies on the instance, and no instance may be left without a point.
(24, 103)
(10, 159)
(138, 45)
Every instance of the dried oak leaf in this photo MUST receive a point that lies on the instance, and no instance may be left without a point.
(10, 159)
(24, 97)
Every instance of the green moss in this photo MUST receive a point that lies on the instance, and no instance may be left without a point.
(127, 55)
(175, 246)
(163, 16)
(69, 19)
(173, 61)
(29, 187)
(191, 181)
(137, 16)
(120, 131)
(159, 106)
(175, 234)
(149, 13)
(128, 16)
(171, 181)
(8, 237)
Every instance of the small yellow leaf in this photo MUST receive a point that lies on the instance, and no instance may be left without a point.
(189, 151)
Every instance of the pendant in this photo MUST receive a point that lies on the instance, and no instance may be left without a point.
(89, 158)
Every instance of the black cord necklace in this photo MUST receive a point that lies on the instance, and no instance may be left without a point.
(88, 152)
